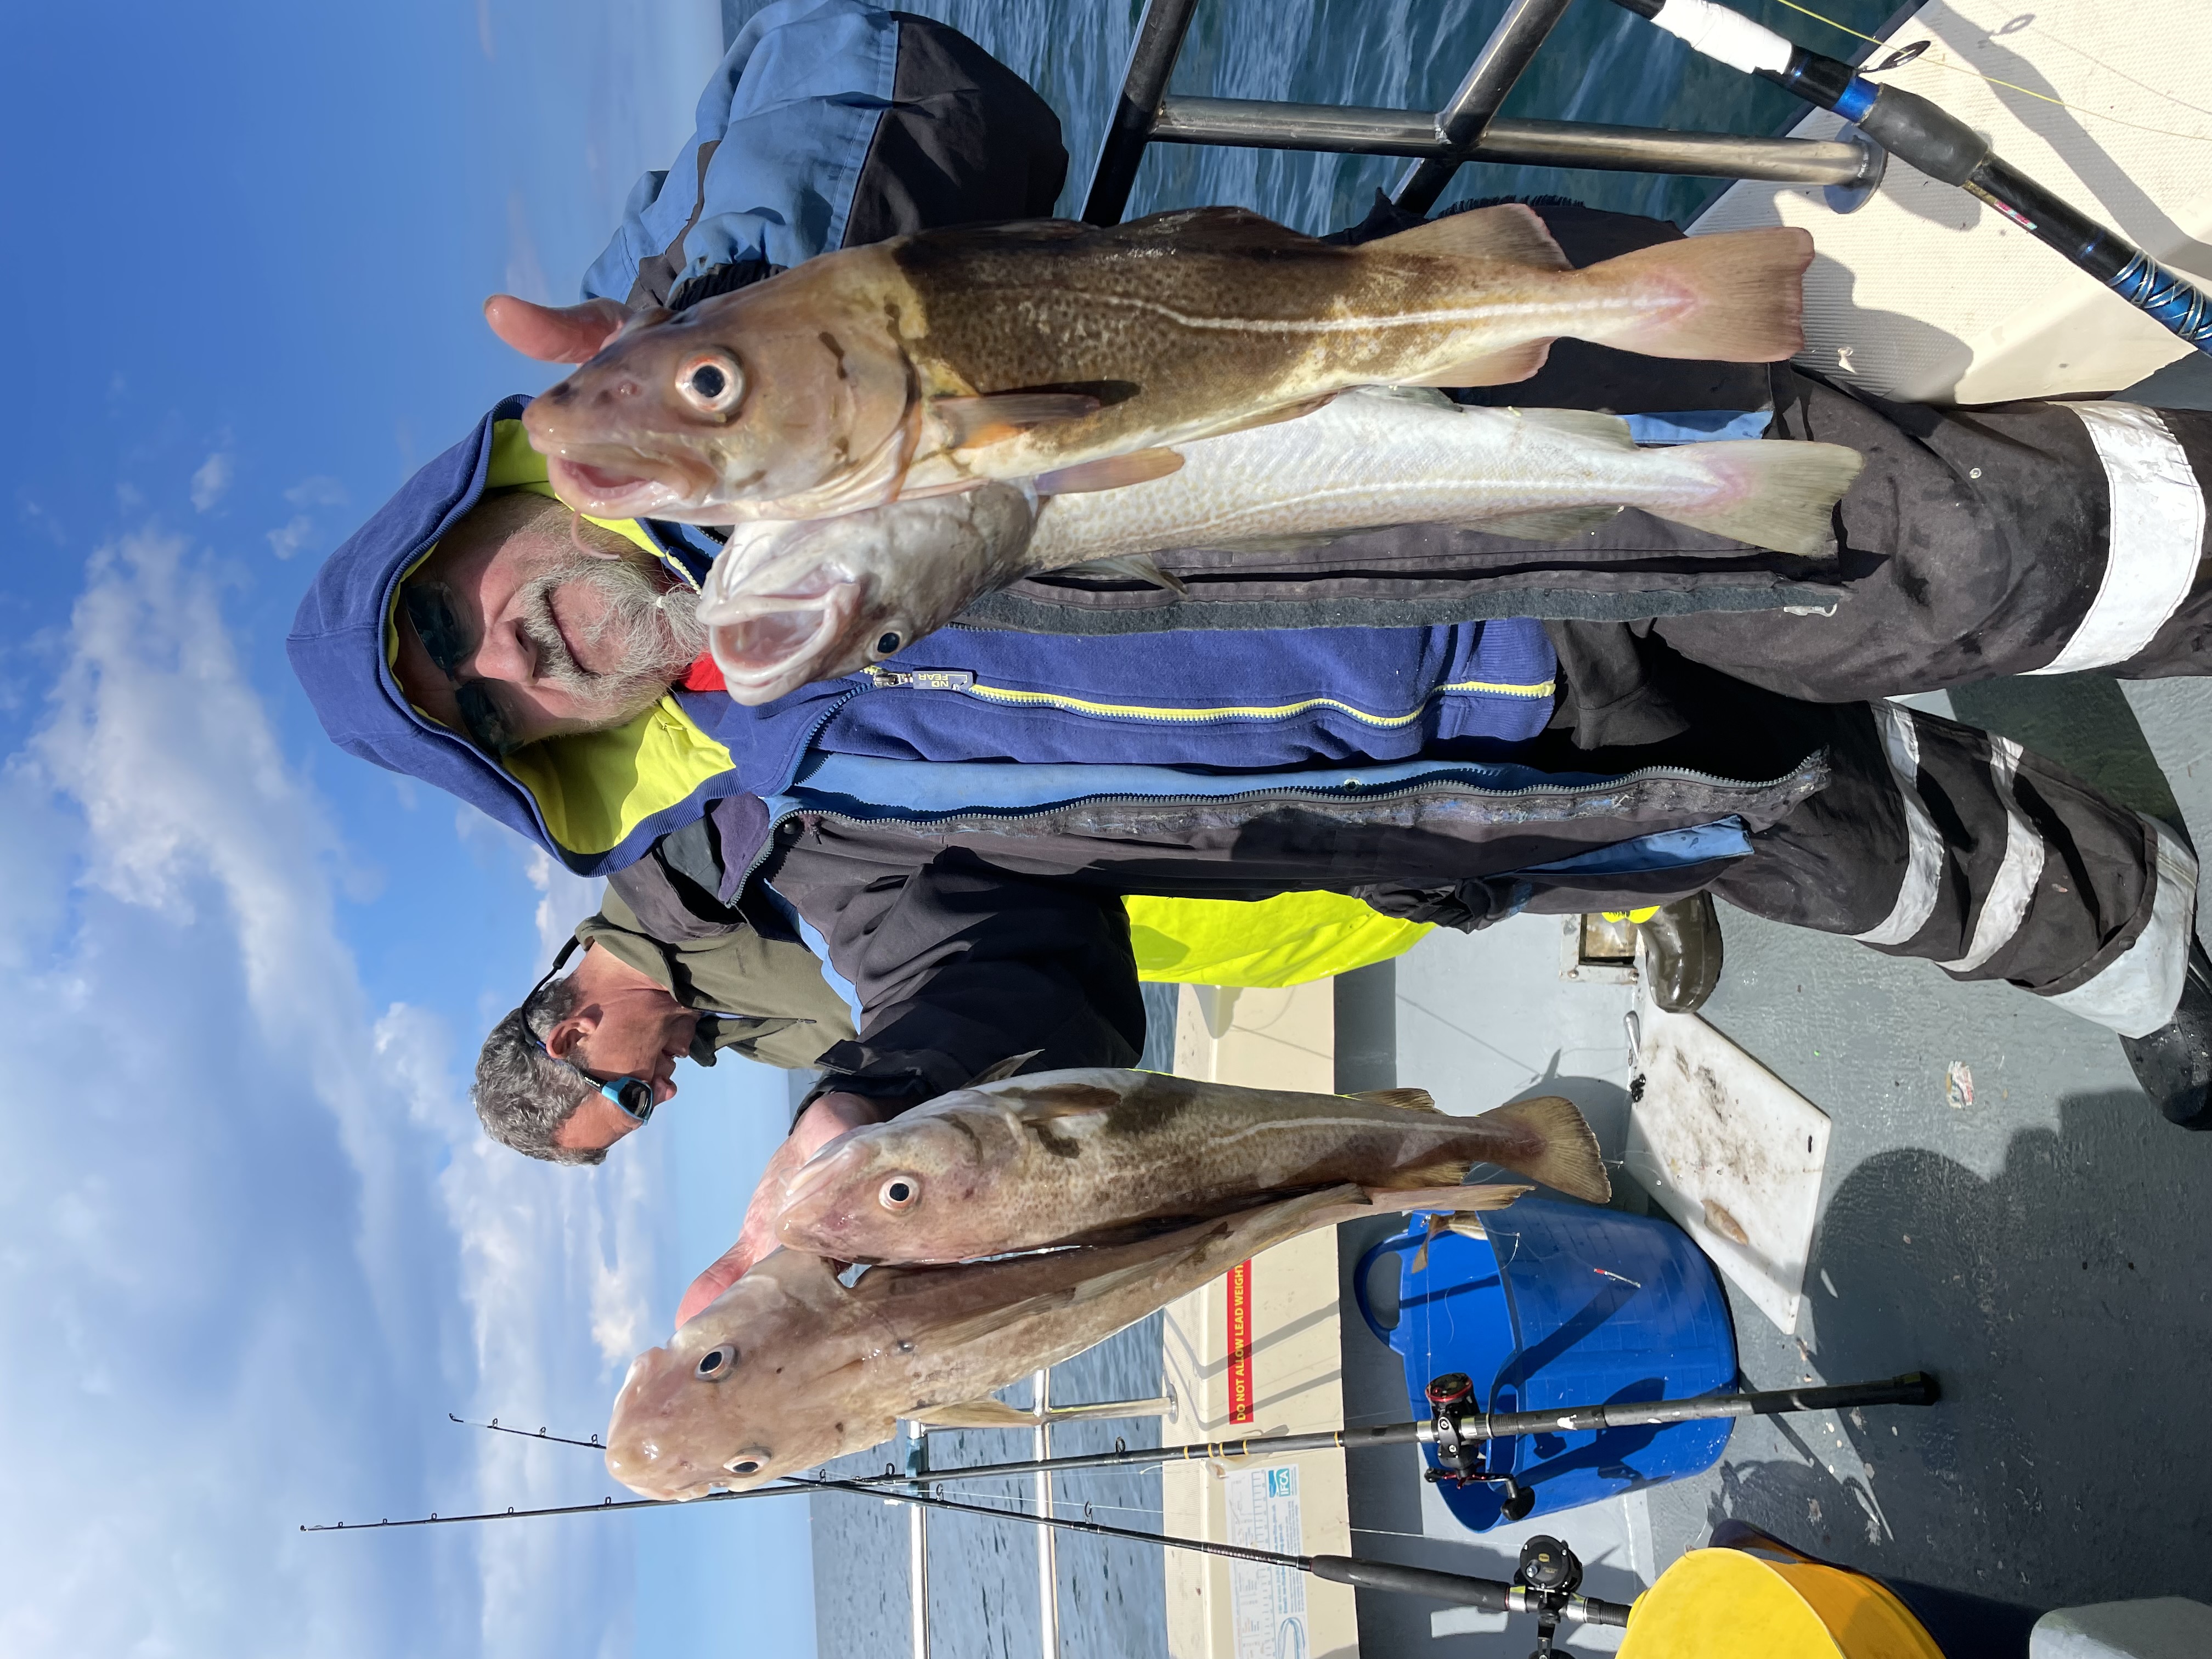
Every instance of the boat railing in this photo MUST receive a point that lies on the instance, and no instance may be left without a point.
(1467, 129)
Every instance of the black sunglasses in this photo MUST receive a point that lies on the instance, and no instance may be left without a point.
(431, 609)
(632, 1096)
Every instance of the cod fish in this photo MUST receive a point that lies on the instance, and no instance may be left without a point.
(789, 603)
(1083, 1157)
(1070, 355)
(790, 1367)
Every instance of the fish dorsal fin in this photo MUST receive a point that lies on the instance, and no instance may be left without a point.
(1510, 231)
(993, 417)
(1114, 473)
(1411, 394)
(1416, 1100)
(1125, 567)
(1453, 1200)
(1274, 416)
(1555, 526)
(1210, 229)
(1005, 1069)
(1493, 368)
(974, 1414)
(1608, 429)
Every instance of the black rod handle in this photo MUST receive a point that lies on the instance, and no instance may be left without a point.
(1487, 1593)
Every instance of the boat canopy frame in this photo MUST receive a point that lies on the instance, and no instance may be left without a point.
(1467, 129)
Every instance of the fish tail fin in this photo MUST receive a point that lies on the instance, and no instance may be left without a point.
(1768, 492)
(1736, 297)
(1554, 1145)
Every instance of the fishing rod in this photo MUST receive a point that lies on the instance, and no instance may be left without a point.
(1455, 1426)
(1944, 147)
(1456, 1431)
(1545, 1583)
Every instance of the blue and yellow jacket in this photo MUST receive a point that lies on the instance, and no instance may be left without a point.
(808, 139)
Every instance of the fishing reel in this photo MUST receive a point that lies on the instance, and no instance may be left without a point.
(1463, 1458)
(1545, 1583)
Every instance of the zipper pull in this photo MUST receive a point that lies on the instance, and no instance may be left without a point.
(922, 679)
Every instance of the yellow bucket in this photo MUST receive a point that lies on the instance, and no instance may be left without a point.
(1729, 1604)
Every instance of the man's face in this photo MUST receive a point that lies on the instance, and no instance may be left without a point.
(559, 638)
(625, 1030)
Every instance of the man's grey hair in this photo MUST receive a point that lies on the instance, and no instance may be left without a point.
(522, 1094)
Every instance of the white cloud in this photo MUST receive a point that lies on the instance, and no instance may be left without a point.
(290, 537)
(525, 272)
(318, 491)
(212, 480)
(262, 1245)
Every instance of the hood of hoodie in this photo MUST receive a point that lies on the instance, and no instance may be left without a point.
(594, 800)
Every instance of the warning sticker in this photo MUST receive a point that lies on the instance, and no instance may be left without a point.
(1240, 1343)
(1267, 1605)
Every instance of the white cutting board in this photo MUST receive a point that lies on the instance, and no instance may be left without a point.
(1732, 1153)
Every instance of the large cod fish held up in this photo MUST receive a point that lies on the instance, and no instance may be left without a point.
(789, 1367)
(1091, 1155)
(1069, 353)
(791, 602)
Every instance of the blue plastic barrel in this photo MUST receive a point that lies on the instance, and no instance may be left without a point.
(1592, 1307)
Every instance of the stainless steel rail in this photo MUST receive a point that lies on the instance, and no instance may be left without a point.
(1467, 129)
(1459, 125)
(1250, 124)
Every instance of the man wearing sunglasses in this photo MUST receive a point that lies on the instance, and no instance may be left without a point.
(589, 1055)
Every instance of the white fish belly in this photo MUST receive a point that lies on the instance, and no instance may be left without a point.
(1368, 458)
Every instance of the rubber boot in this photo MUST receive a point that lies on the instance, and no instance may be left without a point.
(1682, 953)
(2174, 1063)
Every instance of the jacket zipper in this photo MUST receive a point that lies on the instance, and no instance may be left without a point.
(960, 680)
(1567, 791)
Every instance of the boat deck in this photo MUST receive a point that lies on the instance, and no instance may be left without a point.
(2044, 1251)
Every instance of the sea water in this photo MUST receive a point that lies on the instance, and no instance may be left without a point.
(1601, 64)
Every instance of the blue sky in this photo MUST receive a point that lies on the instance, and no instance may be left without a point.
(252, 1248)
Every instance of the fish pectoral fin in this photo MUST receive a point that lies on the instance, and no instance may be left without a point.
(1555, 526)
(1492, 368)
(974, 1414)
(1608, 429)
(994, 1320)
(1005, 1069)
(1059, 1100)
(995, 416)
(1114, 473)
(1417, 1100)
(1125, 567)
(1510, 231)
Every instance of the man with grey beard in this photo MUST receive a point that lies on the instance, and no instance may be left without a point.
(526, 622)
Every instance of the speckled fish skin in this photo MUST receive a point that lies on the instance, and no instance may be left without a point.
(1069, 1157)
(791, 602)
(1180, 325)
(810, 1370)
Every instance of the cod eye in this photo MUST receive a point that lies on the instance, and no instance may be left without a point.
(899, 1193)
(710, 382)
(716, 1364)
(887, 643)
(749, 1461)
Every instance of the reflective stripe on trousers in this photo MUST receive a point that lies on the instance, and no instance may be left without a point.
(2155, 536)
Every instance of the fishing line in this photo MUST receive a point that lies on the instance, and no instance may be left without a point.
(1937, 57)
